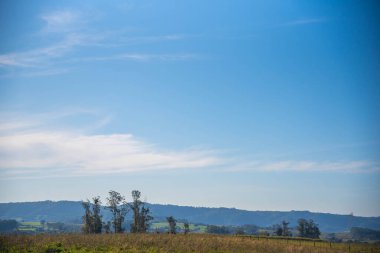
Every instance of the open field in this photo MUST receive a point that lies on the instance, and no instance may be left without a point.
(36, 226)
(170, 243)
(192, 227)
(30, 226)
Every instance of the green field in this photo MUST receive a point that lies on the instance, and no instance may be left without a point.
(164, 226)
(36, 226)
(155, 243)
(31, 223)
(29, 226)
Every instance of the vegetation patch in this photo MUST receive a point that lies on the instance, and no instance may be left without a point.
(173, 243)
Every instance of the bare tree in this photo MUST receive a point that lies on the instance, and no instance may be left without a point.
(118, 207)
(96, 216)
(145, 218)
(87, 218)
(141, 214)
(135, 207)
(92, 220)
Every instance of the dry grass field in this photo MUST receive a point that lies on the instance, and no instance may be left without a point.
(150, 243)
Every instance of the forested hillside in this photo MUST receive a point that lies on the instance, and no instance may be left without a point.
(72, 211)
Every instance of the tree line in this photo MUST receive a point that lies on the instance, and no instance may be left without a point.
(117, 205)
(305, 228)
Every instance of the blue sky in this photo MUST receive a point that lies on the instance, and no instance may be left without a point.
(258, 105)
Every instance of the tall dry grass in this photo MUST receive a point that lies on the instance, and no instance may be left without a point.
(154, 243)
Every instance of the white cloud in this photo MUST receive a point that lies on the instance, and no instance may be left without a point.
(44, 146)
(27, 148)
(91, 154)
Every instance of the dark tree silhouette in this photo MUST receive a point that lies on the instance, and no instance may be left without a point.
(186, 227)
(96, 216)
(107, 227)
(172, 224)
(279, 230)
(87, 217)
(7, 226)
(141, 214)
(118, 207)
(308, 229)
(92, 220)
(285, 229)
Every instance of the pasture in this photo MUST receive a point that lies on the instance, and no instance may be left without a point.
(163, 226)
(155, 243)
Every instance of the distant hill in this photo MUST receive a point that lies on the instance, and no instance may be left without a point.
(71, 212)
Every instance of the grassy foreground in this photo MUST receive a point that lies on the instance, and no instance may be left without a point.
(169, 243)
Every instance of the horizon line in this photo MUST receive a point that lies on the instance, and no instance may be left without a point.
(220, 207)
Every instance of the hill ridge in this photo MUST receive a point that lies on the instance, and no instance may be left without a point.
(71, 212)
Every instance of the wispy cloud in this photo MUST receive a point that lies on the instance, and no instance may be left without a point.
(14, 122)
(126, 40)
(45, 56)
(142, 57)
(305, 21)
(161, 57)
(78, 154)
(62, 21)
(48, 60)
(45, 145)
(30, 149)
(74, 32)
(356, 166)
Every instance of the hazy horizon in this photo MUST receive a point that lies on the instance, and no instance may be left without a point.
(194, 206)
(246, 104)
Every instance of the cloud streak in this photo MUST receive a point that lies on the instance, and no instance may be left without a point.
(74, 30)
(141, 57)
(45, 56)
(361, 166)
(62, 21)
(27, 150)
(306, 21)
(78, 154)
(41, 146)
